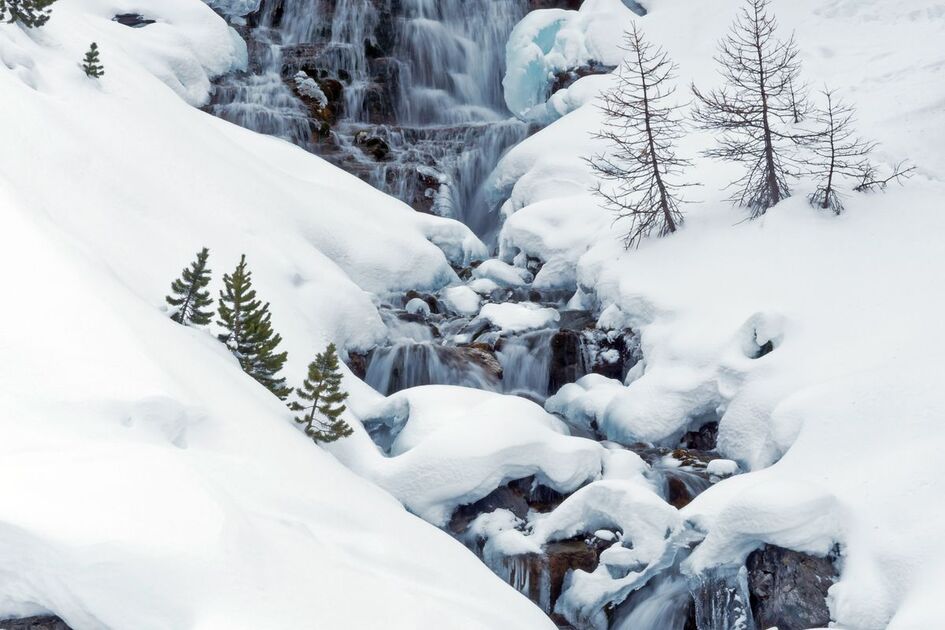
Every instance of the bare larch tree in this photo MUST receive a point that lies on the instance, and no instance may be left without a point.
(754, 107)
(641, 125)
(835, 152)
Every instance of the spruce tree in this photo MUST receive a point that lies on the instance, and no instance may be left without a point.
(641, 126)
(29, 13)
(322, 399)
(190, 297)
(249, 334)
(93, 66)
(753, 109)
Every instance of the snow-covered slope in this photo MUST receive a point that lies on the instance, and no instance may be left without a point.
(848, 409)
(147, 482)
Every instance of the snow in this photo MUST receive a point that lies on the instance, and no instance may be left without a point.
(502, 274)
(149, 483)
(460, 444)
(308, 87)
(837, 420)
(554, 40)
(417, 306)
(462, 299)
(514, 317)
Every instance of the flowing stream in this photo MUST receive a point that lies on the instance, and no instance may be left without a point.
(416, 109)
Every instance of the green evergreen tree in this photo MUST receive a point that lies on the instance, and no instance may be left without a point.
(93, 66)
(249, 334)
(29, 13)
(191, 298)
(322, 399)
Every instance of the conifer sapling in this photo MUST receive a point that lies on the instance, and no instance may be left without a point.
(29, 13)
(190, 296)
(321, 399)
(93, 66)
(248, 331)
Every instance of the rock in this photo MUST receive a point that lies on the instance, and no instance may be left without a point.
(484, 356)
(34, 623)
(789, 589)
(702, 440)
(373, 146)
(503, 498)
(566, 78)
(567, 359)
(134, 20)
(357, 362)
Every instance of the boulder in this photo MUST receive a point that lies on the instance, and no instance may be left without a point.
(788, 589)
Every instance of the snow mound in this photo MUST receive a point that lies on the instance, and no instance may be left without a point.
(458, 445)
(502, 274)
(462, 300)
(549, 41)
(515, 317)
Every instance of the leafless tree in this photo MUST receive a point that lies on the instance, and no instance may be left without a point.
(754, 107)
(641, 126)
(836, 153)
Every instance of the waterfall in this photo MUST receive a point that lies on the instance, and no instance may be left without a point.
(526, 364)
(421, 78)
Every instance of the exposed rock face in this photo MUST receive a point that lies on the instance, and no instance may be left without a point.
(34, 623)
(789, 589)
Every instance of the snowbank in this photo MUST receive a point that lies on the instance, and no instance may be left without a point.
(514, 317)
(813, 338)
(553, 40)
(458, 445)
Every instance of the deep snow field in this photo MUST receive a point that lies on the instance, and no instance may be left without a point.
(147, 483)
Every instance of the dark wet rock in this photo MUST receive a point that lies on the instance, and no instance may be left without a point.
(612, 353)
(576, 320)
(357, 362)
(34, 623)
(567, 78)
(517, 496)
(376, 147)
(702, 440)
(534, 5)
(134, 20)
(567, 359)
(503, 498)
(788, 589)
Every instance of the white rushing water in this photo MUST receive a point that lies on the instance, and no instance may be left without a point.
(422, 76)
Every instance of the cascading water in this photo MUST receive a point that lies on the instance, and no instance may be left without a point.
(420, 113)
(407, 94)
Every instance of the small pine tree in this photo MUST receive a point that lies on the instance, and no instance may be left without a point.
(641, 125)
(249, 334)
(322, 400)
(190, 297)
(29, 13)
(93, 66)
